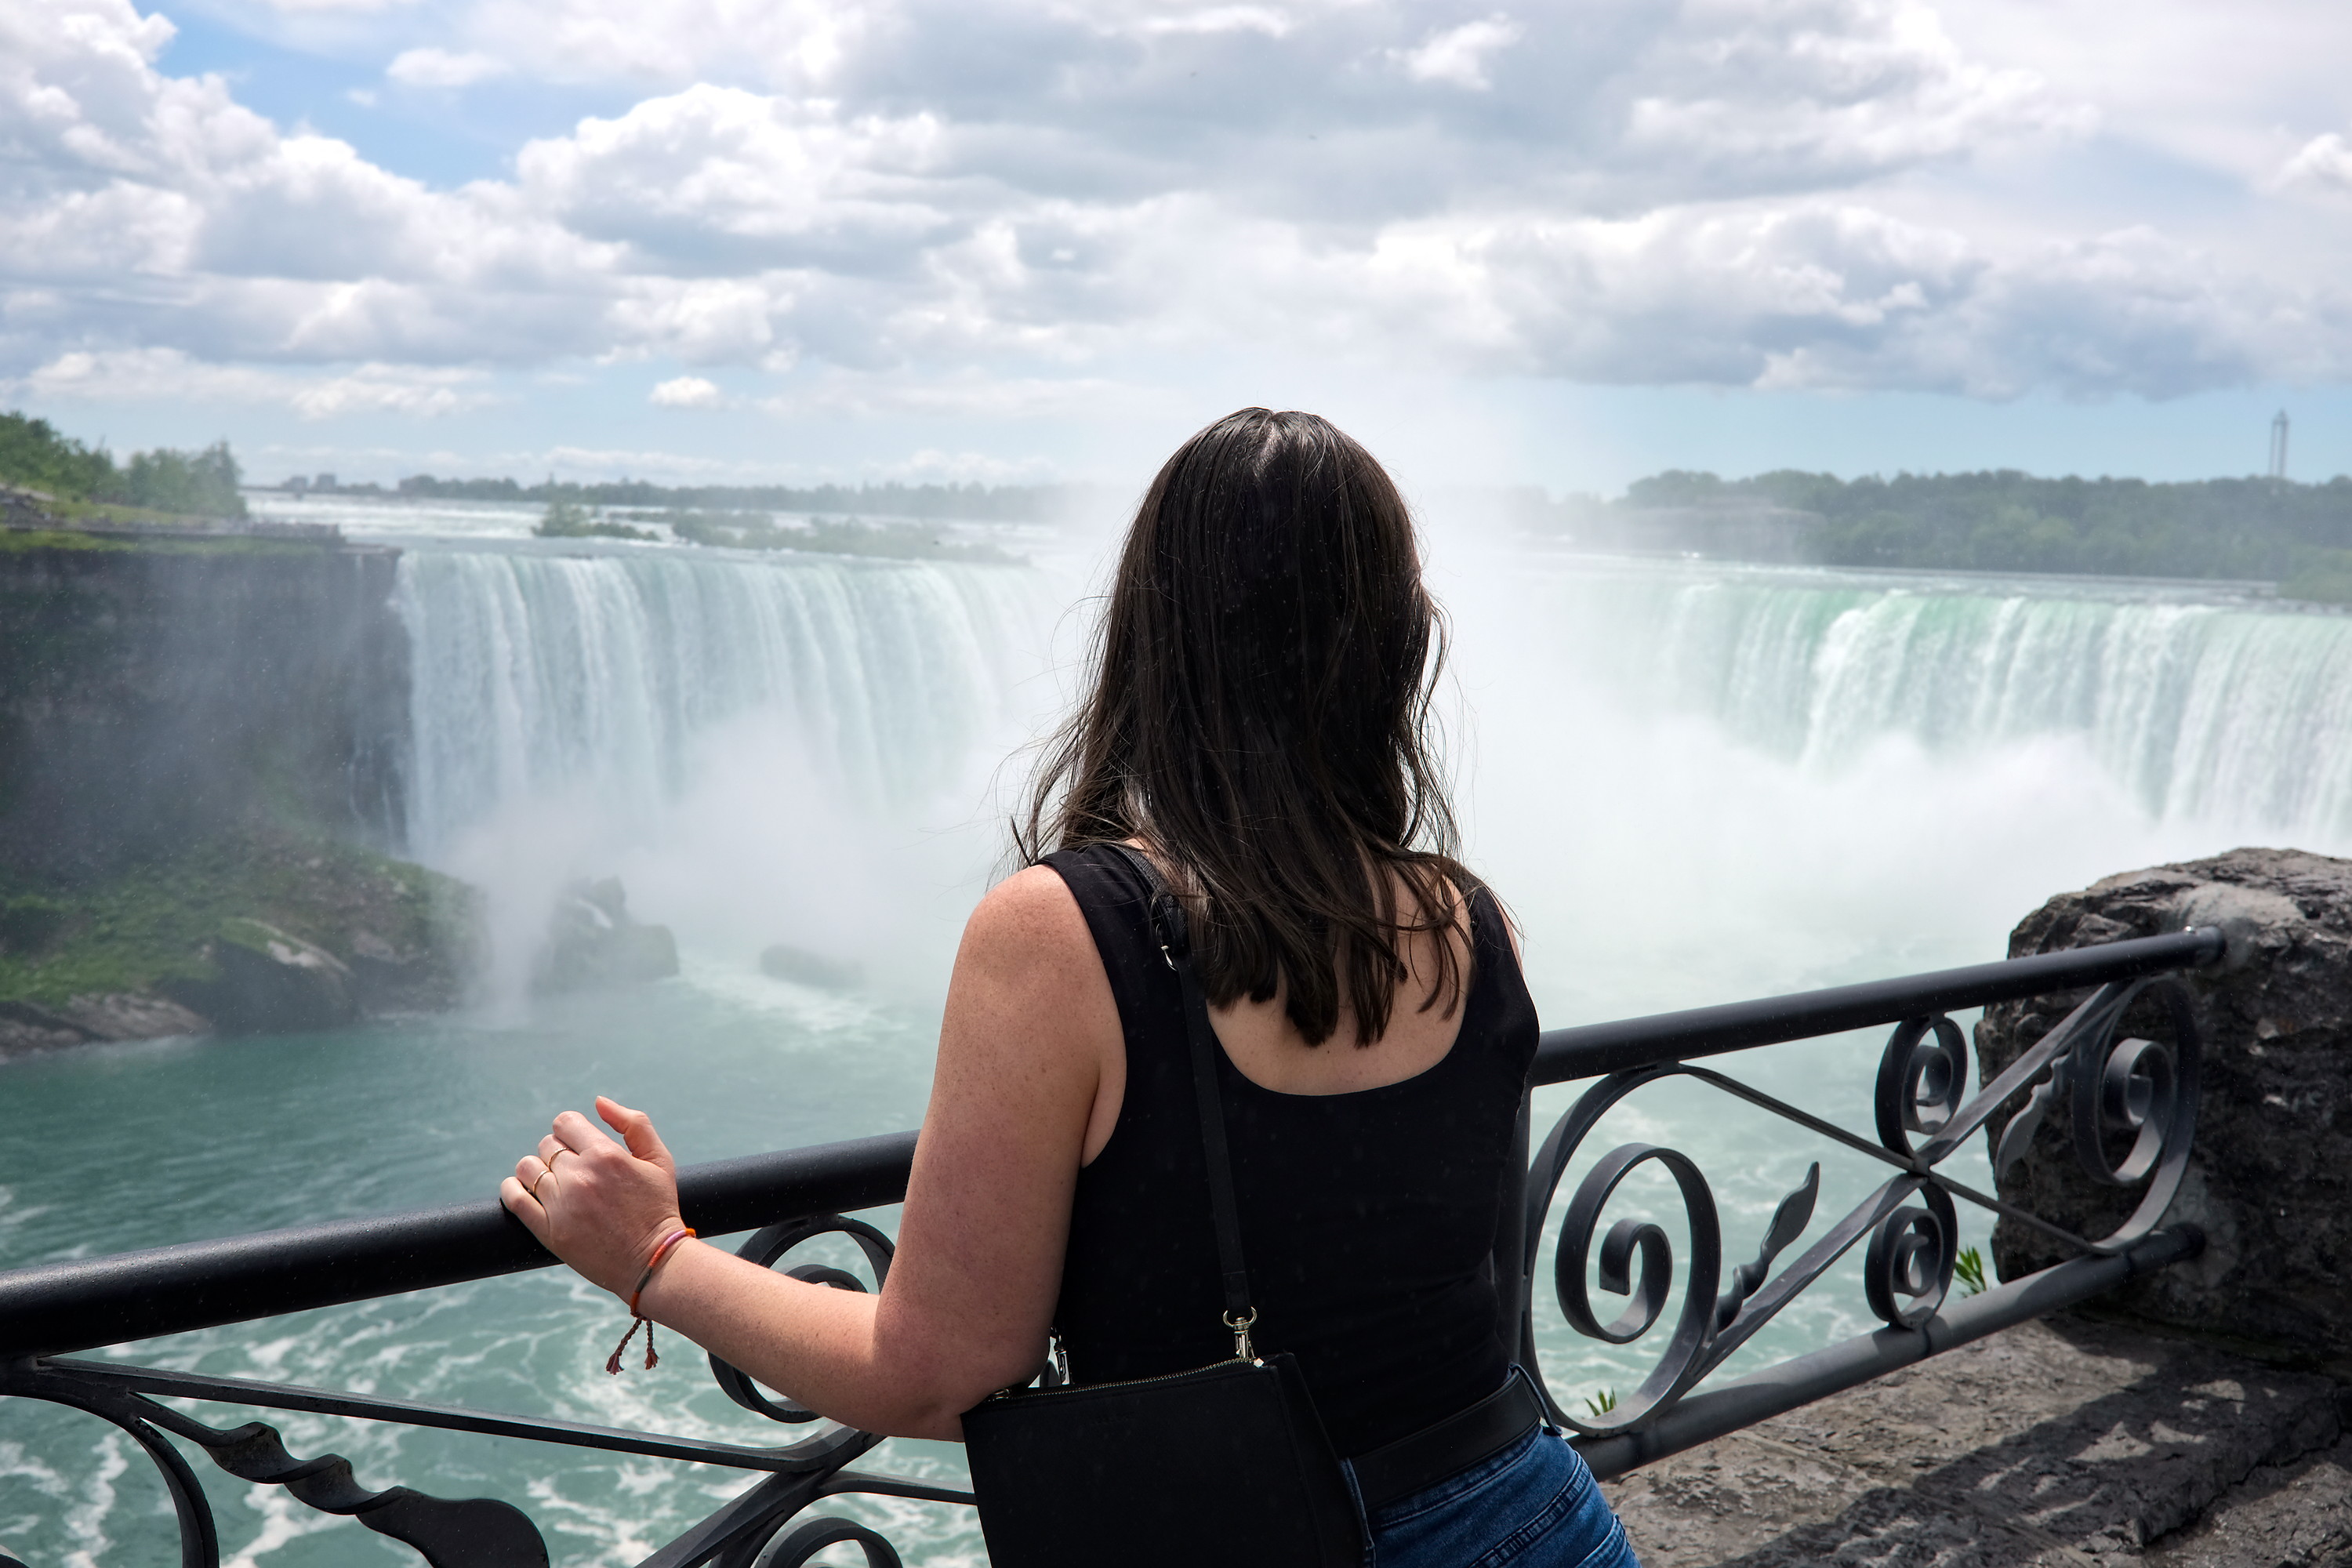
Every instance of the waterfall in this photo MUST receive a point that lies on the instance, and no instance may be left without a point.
(535, 675)
(2203, 707)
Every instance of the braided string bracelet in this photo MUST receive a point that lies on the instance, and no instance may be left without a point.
(661, 1249)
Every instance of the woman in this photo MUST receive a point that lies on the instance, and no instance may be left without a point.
(1256, 726)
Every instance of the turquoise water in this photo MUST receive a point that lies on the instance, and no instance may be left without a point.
(1692, 785)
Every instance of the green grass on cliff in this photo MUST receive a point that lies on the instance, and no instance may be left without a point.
(150, 922)
(19, 540)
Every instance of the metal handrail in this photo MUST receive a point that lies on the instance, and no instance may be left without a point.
(1906, 1234)
(58, 1308)
(1592, 1050)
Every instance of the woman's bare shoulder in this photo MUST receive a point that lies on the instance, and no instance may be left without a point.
(1030, 915)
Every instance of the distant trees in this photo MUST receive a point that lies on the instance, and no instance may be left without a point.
(32, 453)
(568, 520)
(2003, 521)
(201, 483)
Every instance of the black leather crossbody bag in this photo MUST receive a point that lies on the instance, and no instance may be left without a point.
(1227, 1463)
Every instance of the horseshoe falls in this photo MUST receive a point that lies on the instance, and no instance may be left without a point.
(1692, 783)
(2221, 709)
(537, 674)
(728, 734)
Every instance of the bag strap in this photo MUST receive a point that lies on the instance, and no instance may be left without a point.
(1175, 945)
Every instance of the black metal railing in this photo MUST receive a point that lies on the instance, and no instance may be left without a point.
(2145, 1091)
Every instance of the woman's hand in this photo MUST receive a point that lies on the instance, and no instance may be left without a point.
(600, 1205)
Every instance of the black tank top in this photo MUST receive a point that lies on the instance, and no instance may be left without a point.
(1368, 1219)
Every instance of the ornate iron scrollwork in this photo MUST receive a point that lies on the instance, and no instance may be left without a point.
(805, 1540)
(1923, 1076)
(2137, 1088)
(471, 1532)
(1911, 1256)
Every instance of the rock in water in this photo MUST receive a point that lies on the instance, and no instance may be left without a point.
(132, 1016)
(592, 941)
(392, 979)
(25, 1026)
(2270, 1179)
(268, 981)
(798, 965)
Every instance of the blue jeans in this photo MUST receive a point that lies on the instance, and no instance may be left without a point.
(1534, 1505)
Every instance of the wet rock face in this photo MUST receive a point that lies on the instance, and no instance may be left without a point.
(117, 1015)
(269, 982)
(2270, 1178)
(593, 942)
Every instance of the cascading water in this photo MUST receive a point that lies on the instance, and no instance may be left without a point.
(2212, 709)
(534, 675)
(742, 738)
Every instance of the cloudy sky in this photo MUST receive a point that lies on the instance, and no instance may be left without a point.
(1564, 243)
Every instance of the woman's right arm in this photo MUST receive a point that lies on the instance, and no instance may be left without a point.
(1029, 1027)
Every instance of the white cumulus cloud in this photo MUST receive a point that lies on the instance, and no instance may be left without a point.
(441, 68)
(169, 375)
(2324, 160)
(982, 207)
(1457, 55)
(688, 392)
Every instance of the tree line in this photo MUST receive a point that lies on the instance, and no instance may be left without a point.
(34, 455)
(2004, 521)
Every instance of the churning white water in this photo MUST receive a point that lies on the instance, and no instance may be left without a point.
(1692, 783)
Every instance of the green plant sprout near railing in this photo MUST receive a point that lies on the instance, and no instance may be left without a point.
(1602, 1402)
(1969, 1269)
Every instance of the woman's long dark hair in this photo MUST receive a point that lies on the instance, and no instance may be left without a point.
(1259, 717)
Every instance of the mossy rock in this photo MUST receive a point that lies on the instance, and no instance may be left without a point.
(193, 926)
(269, 982)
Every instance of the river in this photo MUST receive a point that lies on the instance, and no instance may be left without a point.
(1691, 781)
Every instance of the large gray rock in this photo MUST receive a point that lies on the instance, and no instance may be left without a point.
(392, 978)
(2270, 1179)
(592, 941)
(132, 1016)
(28, 1026)
(116, 1015)
(269, 982)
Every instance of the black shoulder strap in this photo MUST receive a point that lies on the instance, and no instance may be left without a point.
(1175, 944)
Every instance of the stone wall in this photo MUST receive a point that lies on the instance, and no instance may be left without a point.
(154, 692)
(2270, 1179)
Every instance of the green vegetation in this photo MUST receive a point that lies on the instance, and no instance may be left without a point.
(32, 453)
(824, 536)
(1602, 1402)
(568, 520)
(15, 541)
(1968, 1268)
(2299, 535)
(2326, 579)
(150, 924)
